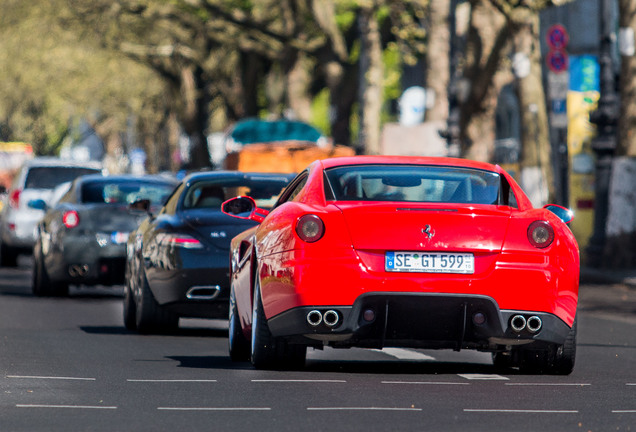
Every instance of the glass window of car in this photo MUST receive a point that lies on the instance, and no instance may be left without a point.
(294, 188)
(124, 192)
(210, 194)
(51, 176)
(414, 183)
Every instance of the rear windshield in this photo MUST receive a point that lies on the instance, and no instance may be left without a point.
(413, 183)
(50, 177)
(210, 194)
(125, 192)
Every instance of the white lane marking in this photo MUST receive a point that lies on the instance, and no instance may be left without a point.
(298, 381)
(172, 380)
(426, 382)
(213, 409)
(487, 377)
(523, 411)
(631, 384)
(550, 384)
(51, 377)
(361, 409)
(65, 406)
(405, 354)
(624, 411)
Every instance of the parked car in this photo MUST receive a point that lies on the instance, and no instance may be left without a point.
(377, 251)
(178, 260)
(36, 180)
(82, 238)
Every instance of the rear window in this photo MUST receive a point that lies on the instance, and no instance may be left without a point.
(124, 192)
(50, 177)
(210, 194)
(413, 183)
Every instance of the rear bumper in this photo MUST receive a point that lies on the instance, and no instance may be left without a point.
(419, 320)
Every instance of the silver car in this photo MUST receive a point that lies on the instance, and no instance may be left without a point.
(36, 179)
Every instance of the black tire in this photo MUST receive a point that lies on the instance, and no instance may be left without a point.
(503, 360)
(130, 312)
(554, 360)
(42, 285)
(268, 352)
(8, 257)
(150, 317)
(238, 345)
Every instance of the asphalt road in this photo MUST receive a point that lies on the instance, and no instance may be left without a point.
(69, 365)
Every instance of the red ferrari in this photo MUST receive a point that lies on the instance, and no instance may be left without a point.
(391, 251)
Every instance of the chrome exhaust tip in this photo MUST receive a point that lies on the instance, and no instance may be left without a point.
(518, 323)
(331, 318)
(314, 318)
(534, 324)
(78, 270)
(203, 292)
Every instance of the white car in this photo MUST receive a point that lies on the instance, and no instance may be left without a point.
(37, 179)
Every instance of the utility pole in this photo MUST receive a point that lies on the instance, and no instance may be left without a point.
(604, 144)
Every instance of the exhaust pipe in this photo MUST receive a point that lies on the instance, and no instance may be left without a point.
(518, 323)
(203, 292)
(78, 270)
(314, 318)
(534, 324)
(331, 318)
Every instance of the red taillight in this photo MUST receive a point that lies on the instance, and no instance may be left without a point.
(310, 228)
(70, 219)
(14, 198)
(540, 234)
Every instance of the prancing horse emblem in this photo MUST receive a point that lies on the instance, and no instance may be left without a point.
(428, 231)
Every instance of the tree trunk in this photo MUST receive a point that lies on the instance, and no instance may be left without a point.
(371, 76)
(194, 116)
(437, 59)
(299, 80)
(537, 177)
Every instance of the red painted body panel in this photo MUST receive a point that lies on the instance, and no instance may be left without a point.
(348, 260)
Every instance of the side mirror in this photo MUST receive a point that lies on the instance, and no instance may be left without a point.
(37, 204)
(243, 207)
(562, 213)
(140, 205)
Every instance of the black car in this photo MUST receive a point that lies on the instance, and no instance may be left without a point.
(82, 238)
(178, 260)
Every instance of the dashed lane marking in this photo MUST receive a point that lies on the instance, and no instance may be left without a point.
(51, 377)
(522, 411)
(297, 381)
(550, 384)
(405, 354)
(426, 382)
(485, 377)
(362, 409)
(172, 380)
(66, 406)
(213, 408)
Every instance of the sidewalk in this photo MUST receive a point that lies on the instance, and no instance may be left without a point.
(591, 275)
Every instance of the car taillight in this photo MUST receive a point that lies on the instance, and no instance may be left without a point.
(14, 198)
(70, 219)
(310, 228)
(540, 234)
(183, 240)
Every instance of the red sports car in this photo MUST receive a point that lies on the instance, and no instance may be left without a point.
(391, 251)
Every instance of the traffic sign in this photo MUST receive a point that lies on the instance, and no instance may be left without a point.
(557, 37)
(557, 61)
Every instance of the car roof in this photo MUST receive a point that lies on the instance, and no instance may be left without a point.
(407, 160)
(126, 177)
(204, 175)
(51, 161)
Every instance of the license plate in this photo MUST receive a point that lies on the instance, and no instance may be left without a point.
(430, 262)
(119, 237)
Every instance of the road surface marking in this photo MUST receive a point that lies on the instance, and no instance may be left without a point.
(549, 384)
(524, 411)
(361, 409)
(51, 377)
(298, 381)
(66, 406)
(172, 380)
(426, 382)
(624, 411)
(405, 354)
(487, 377)
(213, 409)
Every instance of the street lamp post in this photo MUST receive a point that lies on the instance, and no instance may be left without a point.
(604, 144)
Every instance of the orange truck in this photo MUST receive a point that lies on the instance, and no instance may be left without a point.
(12, 156)
(281, 146)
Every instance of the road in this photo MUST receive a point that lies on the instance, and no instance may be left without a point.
(69, 365)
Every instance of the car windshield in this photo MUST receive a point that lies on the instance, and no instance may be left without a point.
(50, 177)
(125, 192)
(210, 194)
(413, 183)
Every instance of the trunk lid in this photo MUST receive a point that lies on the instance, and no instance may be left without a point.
(215, 227)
